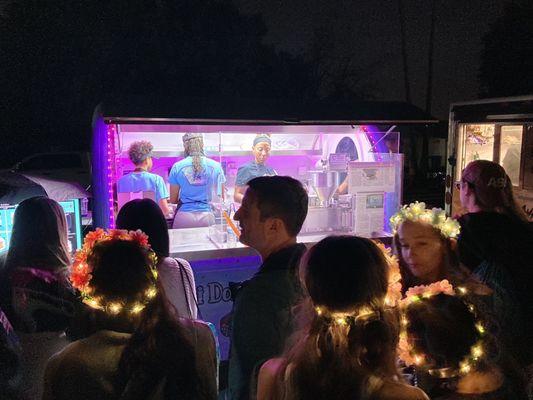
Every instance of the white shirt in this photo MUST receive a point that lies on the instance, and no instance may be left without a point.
(181, 293)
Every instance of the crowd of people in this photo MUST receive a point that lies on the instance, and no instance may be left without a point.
(445, 314)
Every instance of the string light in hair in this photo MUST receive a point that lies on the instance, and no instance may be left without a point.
(394, 290)
(80, 272)
(417, 212)
(346, 318)
(405, 350)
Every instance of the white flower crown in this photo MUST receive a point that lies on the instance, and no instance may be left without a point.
(436, 217)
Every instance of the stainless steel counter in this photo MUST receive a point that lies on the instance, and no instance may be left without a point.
(194, 244)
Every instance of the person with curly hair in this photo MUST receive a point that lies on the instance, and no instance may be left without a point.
(141, 179)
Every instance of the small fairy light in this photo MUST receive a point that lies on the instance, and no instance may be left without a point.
(150, 293)
(471, 308)
(477, 351)
(137, 308)
(419, 359)
(318, 310)
(114, 308)
(93, 303)
(340, 320)
(462, 290)
(465, 367)
(404, 321)
(480, 328)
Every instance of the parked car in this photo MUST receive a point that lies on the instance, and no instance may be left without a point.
(60, 166)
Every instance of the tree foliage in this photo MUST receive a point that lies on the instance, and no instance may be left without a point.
(61, 58)
(507, 57)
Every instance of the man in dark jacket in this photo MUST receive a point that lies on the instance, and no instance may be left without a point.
(271, 216)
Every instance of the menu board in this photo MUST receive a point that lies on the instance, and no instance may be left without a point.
(72, 215)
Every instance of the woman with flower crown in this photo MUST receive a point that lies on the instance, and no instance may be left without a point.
(424, 242)
(454, 355)
(346, 348)
(141, 350)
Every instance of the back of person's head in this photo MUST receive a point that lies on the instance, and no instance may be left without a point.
(442, 330)
(350, 335)
(140, 151)
(146, 215)
(344, 272)
(492, 187)
(193, 145)
(158, 349)
(280, 197)
(39, 238)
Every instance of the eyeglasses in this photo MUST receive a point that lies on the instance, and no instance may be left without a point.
(458, 184)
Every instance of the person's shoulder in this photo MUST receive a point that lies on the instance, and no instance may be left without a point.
(392, 390)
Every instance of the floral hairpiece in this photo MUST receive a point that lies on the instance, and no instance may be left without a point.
(80, 273)
(405, 350)
(418, 212)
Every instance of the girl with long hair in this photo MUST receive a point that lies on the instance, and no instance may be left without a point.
(35, 293)
(495, 244)
(424, 241)
(175, 274)
(141, 349)
(346, 350)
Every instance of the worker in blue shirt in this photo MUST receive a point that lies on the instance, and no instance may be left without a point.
(141, 179)
(195, 182)
(255, 168)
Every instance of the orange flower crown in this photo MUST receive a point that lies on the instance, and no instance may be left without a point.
(80, 272)
(405, 350)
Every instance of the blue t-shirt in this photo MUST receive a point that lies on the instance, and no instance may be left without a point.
(196, 190)
(252, 170)
(143, 182)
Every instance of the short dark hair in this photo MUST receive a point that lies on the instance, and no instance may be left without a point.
(281, 197)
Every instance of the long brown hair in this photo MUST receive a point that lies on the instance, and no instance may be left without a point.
(39, 237)
(492, 187)
(329, 360)
(450, 266)
(158, 351)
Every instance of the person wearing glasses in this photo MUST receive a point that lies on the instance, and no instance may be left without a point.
(495, 244)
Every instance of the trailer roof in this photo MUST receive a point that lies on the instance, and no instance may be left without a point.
(260, 111)
(504, 108)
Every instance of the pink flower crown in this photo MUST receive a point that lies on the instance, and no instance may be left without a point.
(80, 272)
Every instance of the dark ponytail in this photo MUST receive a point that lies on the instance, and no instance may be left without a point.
(158, 352)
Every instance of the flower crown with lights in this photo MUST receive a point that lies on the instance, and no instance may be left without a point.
(366, 313)
(436, 217)
(405, 350)
(80, 273)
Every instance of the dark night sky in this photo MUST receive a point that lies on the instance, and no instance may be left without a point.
(64, 56)
(370, 30)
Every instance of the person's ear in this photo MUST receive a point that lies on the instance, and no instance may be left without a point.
(453, 244)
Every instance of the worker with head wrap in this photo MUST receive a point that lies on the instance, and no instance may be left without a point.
(195, 182)
(255, 168)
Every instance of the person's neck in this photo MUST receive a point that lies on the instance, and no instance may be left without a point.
(480, 382)
(275, 247)
(140, 168)
(474, 208)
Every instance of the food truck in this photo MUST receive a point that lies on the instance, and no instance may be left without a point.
(320, 145)
(499, 130)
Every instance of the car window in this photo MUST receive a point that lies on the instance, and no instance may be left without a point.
(52, 161)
